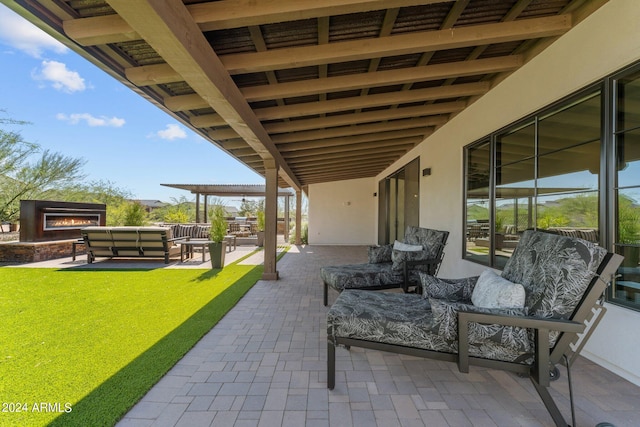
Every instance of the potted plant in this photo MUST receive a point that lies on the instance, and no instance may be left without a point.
(217, 246)
(260, 225)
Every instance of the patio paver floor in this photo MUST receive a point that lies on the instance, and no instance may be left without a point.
(264, 364)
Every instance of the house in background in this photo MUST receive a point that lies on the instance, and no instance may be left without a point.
(150, 205)
(511, 115)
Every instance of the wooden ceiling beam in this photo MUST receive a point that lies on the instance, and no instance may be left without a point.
(369, 101)
(340, 158)
(397, 144)
(207, 120)
(223, 134)
(367, 117)
(341, 141)
(196, 102)
(421, 122)
(169, 29)
(382, 78)
(333, 166)
(401, 44)
(229, 14)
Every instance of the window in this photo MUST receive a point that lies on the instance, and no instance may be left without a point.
(545, 175)
(572, 168)
(626, 164)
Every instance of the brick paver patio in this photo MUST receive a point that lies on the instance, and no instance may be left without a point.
(264, 365)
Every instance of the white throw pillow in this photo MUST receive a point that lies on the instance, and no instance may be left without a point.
(399, 246)
(493, 291)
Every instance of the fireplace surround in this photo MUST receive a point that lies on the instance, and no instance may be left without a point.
(48, 220)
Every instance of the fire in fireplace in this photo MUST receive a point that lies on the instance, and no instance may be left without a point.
(60, 221)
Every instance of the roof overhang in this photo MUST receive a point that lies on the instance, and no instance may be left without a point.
(326, 90)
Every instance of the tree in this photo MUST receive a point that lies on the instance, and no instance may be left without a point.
(21, 177)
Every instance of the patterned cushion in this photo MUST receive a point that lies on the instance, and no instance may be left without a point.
(554, 270)
(184, 230)
(399, 257)
(445, 322)
(200, 232)
(431, 240)
(399, 246)
(353, 276)
(387, 317)
(493, 291)
(447, 289)
(379, 254)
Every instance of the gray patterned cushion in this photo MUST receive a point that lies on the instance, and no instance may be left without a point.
(379, 254)
(387, 317)
(353, 276)
(448, 289)
(399, 257)
(431, 240)
(445, 322)
(493, 291)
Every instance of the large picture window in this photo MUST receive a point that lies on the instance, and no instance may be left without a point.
(545, 174)
(573, 169)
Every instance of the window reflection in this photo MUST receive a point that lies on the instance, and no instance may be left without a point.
(478, 205)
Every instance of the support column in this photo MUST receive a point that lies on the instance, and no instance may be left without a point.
(197, 208)
(298, 217)
(270, 220)
(206, 213)
(287, 218)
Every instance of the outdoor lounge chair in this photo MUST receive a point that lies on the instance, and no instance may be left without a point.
(550, 292)
(390, 266)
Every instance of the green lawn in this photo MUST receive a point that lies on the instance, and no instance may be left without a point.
(79, 348)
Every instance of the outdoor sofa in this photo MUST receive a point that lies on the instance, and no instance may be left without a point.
(390, 266)
(538, 313)
(130, 242)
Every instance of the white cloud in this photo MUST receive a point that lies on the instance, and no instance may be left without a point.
(92, 121)
(60, 77)
(172, 132)
(20, 34)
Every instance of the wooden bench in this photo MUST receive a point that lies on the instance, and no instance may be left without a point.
(129, 242)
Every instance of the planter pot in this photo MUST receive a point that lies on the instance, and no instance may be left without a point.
(260, 235)
(216, 252)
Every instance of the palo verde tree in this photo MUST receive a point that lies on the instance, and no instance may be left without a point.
(27, 171)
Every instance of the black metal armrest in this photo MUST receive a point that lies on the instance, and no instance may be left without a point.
(541, 327)
(407, 264)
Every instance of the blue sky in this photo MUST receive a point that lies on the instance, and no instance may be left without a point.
(77, 110)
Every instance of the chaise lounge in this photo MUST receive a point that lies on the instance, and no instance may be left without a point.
(537, 314)
(390, 266)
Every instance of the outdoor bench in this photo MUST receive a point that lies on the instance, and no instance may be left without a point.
(130, 242)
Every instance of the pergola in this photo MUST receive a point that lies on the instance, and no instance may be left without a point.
(307, 92)
(240, 190)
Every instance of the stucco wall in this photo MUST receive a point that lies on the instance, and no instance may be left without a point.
(343, 213)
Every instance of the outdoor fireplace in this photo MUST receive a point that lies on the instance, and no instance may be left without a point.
(46, 220)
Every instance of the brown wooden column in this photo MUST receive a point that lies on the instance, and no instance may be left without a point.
(287, 218)
(270, 220)
(298, 217)
(197, 208)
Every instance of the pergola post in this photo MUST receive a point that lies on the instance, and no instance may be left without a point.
(287, 217)
(270, 220)
(197, 208)
(206, 199)
(298, 217)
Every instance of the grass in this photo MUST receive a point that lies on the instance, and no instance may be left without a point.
(80, 348)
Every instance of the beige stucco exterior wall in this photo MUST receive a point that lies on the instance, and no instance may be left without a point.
(342, 213)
